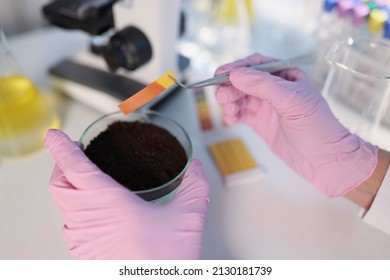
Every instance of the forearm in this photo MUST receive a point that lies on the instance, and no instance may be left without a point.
(365, 193)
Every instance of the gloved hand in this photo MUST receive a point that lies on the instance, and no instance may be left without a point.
(295, 120)
(104, 220)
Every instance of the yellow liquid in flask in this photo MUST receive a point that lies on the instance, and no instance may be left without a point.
(25, 116)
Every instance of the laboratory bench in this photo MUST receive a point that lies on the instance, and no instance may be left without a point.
(280, 217)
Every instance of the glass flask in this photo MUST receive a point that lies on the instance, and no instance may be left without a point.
(25, 114)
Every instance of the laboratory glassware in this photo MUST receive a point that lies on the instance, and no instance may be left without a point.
(218, 31)
(25, 114)
(357, 86)
(165, 192)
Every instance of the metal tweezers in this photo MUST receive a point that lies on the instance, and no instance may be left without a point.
(270, 67)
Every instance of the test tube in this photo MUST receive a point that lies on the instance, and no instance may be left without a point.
(386, 29)
(326, 27)
(326, 31)
(345, 13)
(359, 14)
(386, 25)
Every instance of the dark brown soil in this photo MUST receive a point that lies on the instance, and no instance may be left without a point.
(138, 155)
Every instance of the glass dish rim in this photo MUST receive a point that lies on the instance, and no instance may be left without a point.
(150, 112)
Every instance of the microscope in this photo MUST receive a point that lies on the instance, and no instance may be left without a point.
(132, 43)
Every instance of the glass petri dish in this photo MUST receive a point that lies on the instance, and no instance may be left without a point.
(165, 192)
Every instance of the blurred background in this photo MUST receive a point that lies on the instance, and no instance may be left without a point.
(17, 16)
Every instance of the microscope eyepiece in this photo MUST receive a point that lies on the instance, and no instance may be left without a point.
(129, 48)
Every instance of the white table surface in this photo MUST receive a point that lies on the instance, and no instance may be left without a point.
(282, 217)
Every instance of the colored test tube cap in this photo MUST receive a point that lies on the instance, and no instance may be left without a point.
(345, 8)
(376, 21)
(359, 14)
(329, 5)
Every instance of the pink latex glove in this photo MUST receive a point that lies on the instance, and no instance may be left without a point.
(104, 220)
(291, 115)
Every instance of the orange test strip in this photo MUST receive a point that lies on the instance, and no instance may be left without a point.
(147, 94)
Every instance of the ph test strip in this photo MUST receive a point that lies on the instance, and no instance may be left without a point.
(147, 94)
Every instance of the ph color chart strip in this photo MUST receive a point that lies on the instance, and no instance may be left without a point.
(231, 156)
